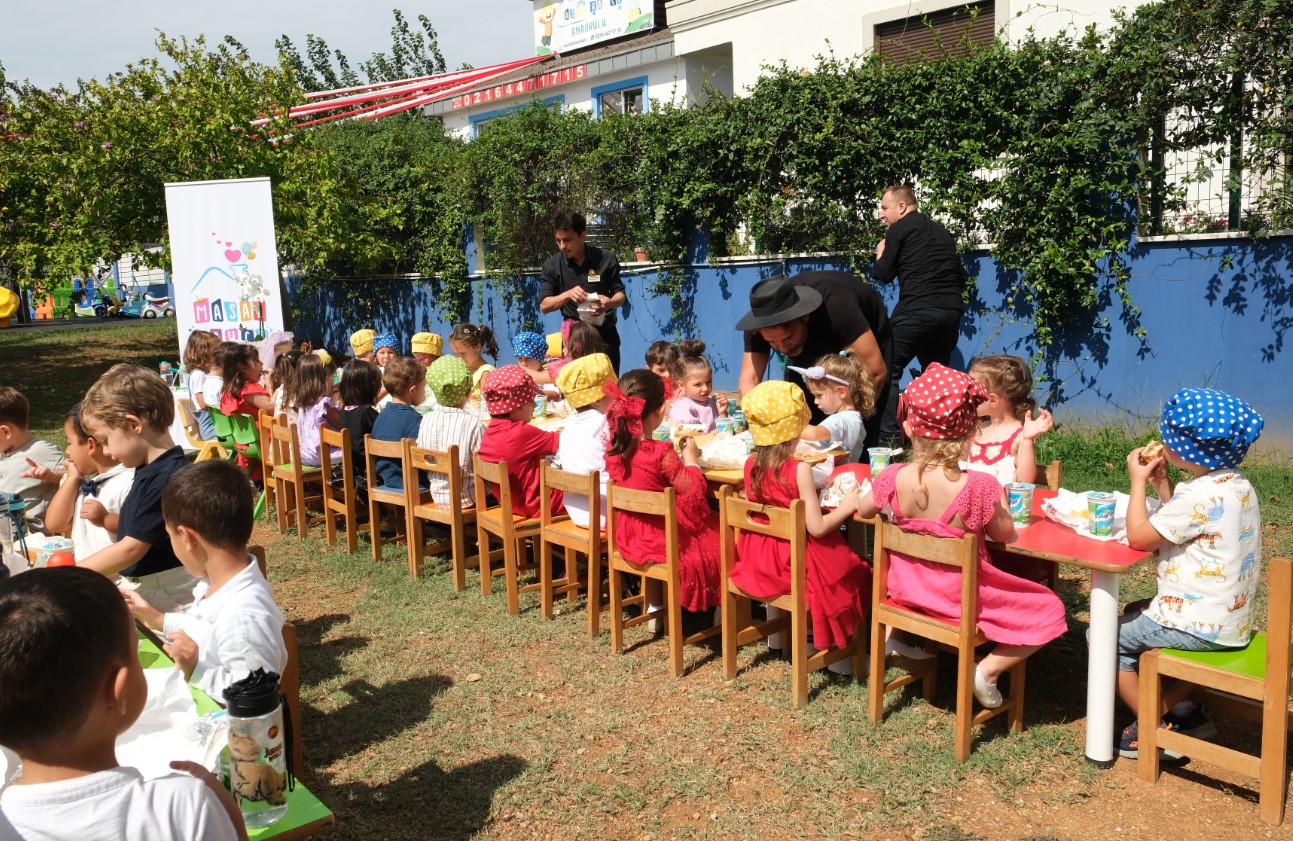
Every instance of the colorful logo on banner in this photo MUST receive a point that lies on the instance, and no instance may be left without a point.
(564, 25)
(232, 303)
(524, 86)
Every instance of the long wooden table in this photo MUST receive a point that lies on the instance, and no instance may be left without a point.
(306, 815)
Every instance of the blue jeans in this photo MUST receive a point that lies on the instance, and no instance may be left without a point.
(1137, 633)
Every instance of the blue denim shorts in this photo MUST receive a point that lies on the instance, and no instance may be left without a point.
(1137, 633)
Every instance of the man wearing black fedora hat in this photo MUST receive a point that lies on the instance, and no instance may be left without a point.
(808, 316)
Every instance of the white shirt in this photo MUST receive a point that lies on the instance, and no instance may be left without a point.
(582, 450)
(237, 629)
(211, 388)
(446, 427)
(197, 385)
(1209, 567)
(117, 804)
(845, 428)
(113, 488)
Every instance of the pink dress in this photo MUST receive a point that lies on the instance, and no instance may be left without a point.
(1012, 611)
(838, 580)
(654, 466)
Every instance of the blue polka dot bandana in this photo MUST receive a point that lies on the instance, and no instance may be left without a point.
(382, 340)
(530, 345)
(1209, 428)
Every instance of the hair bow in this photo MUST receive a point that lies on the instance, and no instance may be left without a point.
(624, 407)
(816, 372)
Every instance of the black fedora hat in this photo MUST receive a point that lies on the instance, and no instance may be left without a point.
(778, 300)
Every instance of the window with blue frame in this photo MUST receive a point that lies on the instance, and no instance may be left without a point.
(480, 122)
(625, 97)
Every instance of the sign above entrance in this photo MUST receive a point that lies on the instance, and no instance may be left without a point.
(564, 25)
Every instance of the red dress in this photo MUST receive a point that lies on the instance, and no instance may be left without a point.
(242, 405)
(838, 580)
(654, 466)
(1012, 610)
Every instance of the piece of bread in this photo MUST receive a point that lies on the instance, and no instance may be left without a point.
(1151, 451)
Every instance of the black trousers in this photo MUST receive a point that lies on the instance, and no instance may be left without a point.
(926, 335)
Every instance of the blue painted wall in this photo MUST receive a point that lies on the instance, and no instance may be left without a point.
(1214, 311)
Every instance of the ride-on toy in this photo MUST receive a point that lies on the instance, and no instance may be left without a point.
(147, 306)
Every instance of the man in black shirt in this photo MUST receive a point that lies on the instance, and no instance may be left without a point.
(931, 282)
(809, 316)
(579, 270)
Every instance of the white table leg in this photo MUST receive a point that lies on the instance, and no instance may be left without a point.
(1102, 667)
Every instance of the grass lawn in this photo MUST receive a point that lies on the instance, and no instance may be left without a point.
(433, 714)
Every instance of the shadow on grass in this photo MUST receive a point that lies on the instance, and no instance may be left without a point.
(373, 715)
(321, 659)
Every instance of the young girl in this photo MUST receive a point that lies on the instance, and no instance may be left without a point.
(213, 388)
(531, 348)
(360, 384)
(310, 401)
(696, 405)
(838, 579)
(385, 348)
(578, 339)
(636, 461)
(842, 389)
(198, 351)
(280, 379)
(933, 495)
(1005, 445)
(471, 343)
(243, 393)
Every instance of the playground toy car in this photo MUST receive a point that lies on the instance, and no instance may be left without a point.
(94, 307)
(147, 306)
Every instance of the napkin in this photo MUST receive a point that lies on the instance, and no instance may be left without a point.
(166, 729)
(726, 451)
(831, 495)
(1070, 509)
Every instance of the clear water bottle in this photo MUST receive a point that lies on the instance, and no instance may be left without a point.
(258, 770)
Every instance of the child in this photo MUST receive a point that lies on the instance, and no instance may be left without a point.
(64, 722)
(586, 436)
(1006, 445)
(530, 351)
(470, 344)
(360, 384)
(662, 359)
(244, 395)
(198, 351)
(696, 405)
(310, 404)
(509, 397)
(280, 380)
(233, 627)
(129, 410)
(426, 348)
(451, 425)
(361, 342)
(933, 495)
(1208, 536)
(843, 391)
(385, 348)
(405, 382)
(88, 507)
(213, 388)
(636, 461)
(579, 339)
(21, 453)
(838, 580)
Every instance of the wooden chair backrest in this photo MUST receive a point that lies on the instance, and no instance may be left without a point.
(555, 479)
(442, 462)
(959, 553)
(658, 503)
(289, 682)
(375, 449)
(1054, 473)
(284, 444)
(737, 514)
(1279, 627)
(494, 473)
(329, 438)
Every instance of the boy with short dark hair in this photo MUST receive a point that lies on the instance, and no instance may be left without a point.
(129, 411)
(233, 627)
(20, 453)
(64, 722)
(405, 382)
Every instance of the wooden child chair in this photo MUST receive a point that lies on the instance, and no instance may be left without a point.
(379, 495)
(1251, 682)
(289, 472)
(343, 503)
(661, 504)
(205, 449)
(737, 515)
(962, 637)
(423, 509)
(289, 682)
(574, 541)
(509, 529)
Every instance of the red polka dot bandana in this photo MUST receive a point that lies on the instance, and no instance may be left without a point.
(941, 403)
(507, 389)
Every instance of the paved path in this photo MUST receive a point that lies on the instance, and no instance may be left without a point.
(73, 323)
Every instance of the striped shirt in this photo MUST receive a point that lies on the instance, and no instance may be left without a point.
(441, 430)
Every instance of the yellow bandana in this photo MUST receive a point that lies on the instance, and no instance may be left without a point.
(581, 381)
(776, 412)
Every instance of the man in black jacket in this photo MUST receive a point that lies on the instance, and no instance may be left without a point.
(931, 283)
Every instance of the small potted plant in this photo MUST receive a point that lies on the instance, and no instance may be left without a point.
(641, 253)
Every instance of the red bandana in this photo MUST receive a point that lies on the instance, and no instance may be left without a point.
(941, 403)
(507, 389)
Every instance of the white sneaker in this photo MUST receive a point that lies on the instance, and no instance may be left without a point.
(987, 694)
(655, 622)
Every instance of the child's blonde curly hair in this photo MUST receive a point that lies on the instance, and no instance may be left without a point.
(848, 366)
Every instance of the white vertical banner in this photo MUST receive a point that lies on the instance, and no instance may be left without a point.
(224, 259)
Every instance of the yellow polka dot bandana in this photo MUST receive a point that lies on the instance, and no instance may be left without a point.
(427, 343)
(361, 341)
(582, 381)
(776, 412)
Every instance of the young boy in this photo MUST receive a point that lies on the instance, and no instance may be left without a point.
(426, 348)
(509, 397)
(361, 342)
(451, 425)
(584, 383)
(531, 349)
(64, 722)
(233, 626)
(1208, 533)
(21, 453)
(405, 382)
(89, 507)
(129, 411)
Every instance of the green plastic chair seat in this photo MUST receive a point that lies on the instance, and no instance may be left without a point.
(1249, 661)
